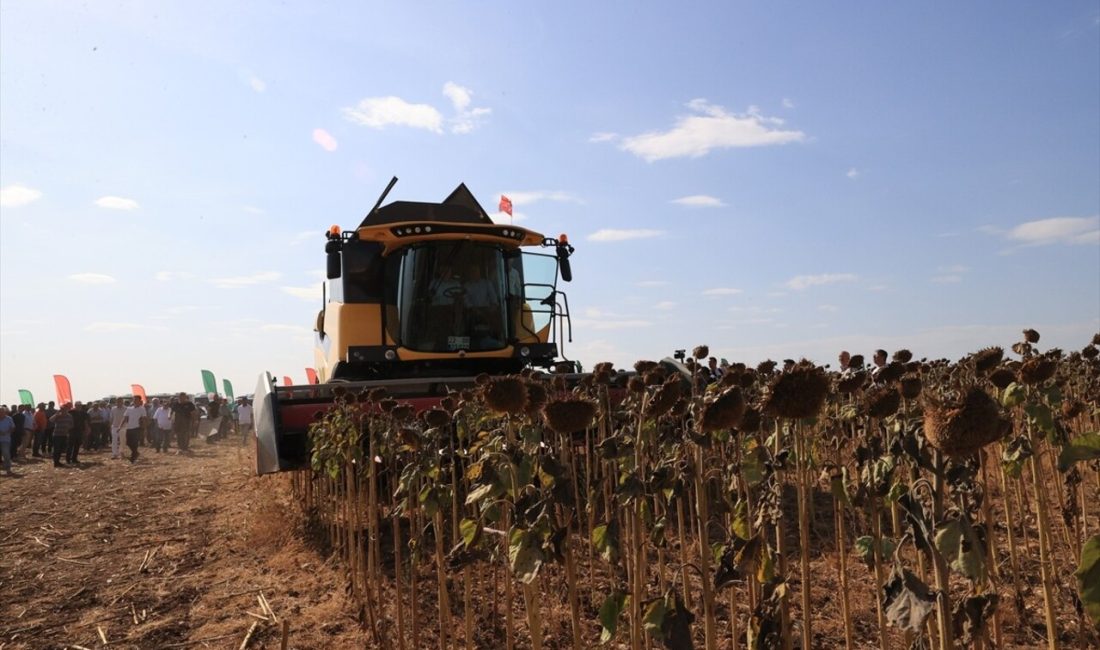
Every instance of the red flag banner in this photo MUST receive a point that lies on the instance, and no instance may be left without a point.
(311, 376)
(138, 391)
(64, 390)
(506, 205)
(287, 381)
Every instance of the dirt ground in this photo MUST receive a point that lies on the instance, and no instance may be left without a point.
(170, 552)
(174, 551)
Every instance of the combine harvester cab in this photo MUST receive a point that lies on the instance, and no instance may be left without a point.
(420, 299)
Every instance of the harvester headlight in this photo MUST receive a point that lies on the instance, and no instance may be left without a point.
(525, 351)
(390, 355)
(417, 229)
(427, 228)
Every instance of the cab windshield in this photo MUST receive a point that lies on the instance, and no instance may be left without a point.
(455, 296)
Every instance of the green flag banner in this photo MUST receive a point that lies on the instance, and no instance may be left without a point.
(209, 384)
(25, 397)
(228, 389)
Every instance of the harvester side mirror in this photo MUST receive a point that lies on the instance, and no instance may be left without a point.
(564, 251)
(332, 250)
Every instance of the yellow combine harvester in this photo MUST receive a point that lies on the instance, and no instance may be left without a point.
(421, 298)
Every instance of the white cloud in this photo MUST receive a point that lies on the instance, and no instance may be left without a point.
(241, 281)
(710, 127)
(307, 235)
(92, 278)
(311, 293)
(460, 97)
(787, 103)
(325, 140)
(699, 201)
(947, 279)
(112, 327)
(800, 282)
(116, 203)
(953, 268)
(722, 291)
(168, 276)
(380, 112)
(251, 209)
(653, 283)
(257, 84)
(665, 305)
(853, 173)
(14, 196)
(603, 137)
(612, 234)
(1059, 230)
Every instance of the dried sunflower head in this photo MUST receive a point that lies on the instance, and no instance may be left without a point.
(911, 386)
(1031, 336)
(891, 372)
(852, 382)
(960, 428)
(642, 367)
(701, 352)
(679, 408)
(883, 401)
(448, 403)
(437, 418)
(1036, 371)
(536, 396)
(387, 405)
(403, 412)
(602, 377)
(1021, 348)
(1090, 352)
(482, 379)
(750, 421)
(664, 398)
(729, 378)
(799, 393)
(558, 383)
(903, 356)
(378, 394)
(636, 385)
(987, 359)
(723, 411)
(857, 362)
(505, 394)
(604, 366)
(569, 414)
(1096, 339)
(654, 378)
(765, 367)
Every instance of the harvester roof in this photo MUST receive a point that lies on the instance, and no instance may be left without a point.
(459, 207)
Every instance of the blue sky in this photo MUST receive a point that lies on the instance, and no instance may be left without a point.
(773, 179)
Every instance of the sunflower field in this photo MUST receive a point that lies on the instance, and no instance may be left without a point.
(924, 504)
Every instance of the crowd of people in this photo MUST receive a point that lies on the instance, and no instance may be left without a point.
(60, 433)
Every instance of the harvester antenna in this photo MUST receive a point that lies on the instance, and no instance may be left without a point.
(385, 192)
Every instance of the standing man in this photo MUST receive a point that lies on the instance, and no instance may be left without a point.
(162, 420)
(51, 410)
(880, 363)
(185, 416)
(40, 423)
(62, 422)
(97, 419)
(81, 427)
(244, 419)
(117, 414)
(7, 429)
(133, 420)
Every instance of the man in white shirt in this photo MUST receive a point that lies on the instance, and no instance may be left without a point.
(163, 423)
(117, 414)
(244, 419)
(133, 419)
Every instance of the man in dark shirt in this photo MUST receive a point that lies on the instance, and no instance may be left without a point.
(62, 422)
(81, 427)
(185, 416)
(51, 410)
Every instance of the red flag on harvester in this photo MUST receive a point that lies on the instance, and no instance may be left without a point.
(311, 376)
(506, 205)
(287, 381)
(64, 390)
(138, 391)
